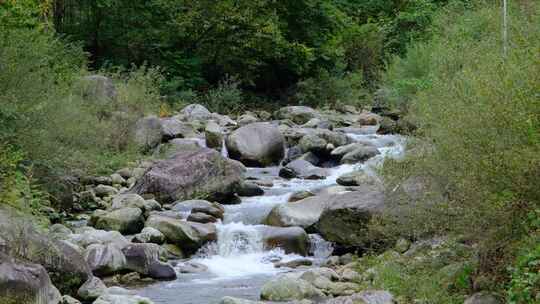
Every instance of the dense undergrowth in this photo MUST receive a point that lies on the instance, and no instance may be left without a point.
(477, 152)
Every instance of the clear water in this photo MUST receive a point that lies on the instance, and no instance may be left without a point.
(237, 263)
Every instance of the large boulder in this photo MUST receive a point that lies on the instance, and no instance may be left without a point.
(149, 235)
(145, 259)
(202, 173)
(289, 288)
(312, 143)
(172, 127)
(357, 178)
(125, 221)
(258, 144)
(303, 169)
(483, 298)
(177, 145)
(22, 282)
(290, 239)
(303, 213)
(298, 114)
(64, 264)
(345, 217)
(105, 259)
(148, 132)
(188, 235)
(195, 112)
(128, 200)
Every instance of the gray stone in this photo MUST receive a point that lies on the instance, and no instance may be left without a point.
(128, 200)
(125, 220)
(104, 190)
(290, 239)
(303, 169)
(105, 259)
(298, 114)
(214, 209)
(359, 154)
(256, 144)
(195, 112)
(365, 297)
(203, 173)
(288, 288)
(145, 259)
(483, 298)
(149, 235)
(91, 289)
(312, 143)
(214, 135)
(98, 88)
(148, 132)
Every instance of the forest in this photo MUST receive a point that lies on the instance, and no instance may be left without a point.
(85, 84)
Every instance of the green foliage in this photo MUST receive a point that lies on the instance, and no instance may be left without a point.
(327, 90)
(225, 98)
(479, 131)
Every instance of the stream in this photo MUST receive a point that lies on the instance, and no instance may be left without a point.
(237, 263)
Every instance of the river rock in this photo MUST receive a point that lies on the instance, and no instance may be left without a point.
(145, 259)
(91, 289)
(231, 300)
(203, 173)
(248, 189)
(128, 200)
(298, 114)
(89, 236)
(290, 239)
(345, 217)
(357, 178)
(288, 288)
(303, 213)
(104, 190)
(192, 267)
(318, 123)
(105, 259)
(122, 299)
(303, 169)
(188, 235)
(149, 235)
(214, 209)
(312, 143)
(360, 154)
(125, 220)
(369, 119)
(195, 112)
(365, 297)
(69, 300)
(148, 132)
(22, 282)
(214, 135)
(300, 195)
(257, 144)
(294, 263)
(177, 145)
(171, 128)
(246, 119)
(200, 217)
(64, 264)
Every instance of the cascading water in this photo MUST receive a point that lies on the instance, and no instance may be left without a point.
(238, 263)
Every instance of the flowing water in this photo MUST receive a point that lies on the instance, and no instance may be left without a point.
(237, 263)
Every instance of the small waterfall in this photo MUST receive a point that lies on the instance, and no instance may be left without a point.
(236, 239)
(319, 248)
(224, 151)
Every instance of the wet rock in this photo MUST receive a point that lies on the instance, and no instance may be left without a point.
(122, 299)
(214, 209)
(303, 213)
(290, 239)
(188, 235)
(22, 282)
(312, 143)
(288, 288)
(192, 267)
(89, 236)
(203, 173)
(344, 220)
(125, 220)
(359, 154)
(173, 251)
(246, 119)
(357, 178)
(149, 235)
(300, 195)
(91, 289)
(105, 259)
(144, 259)
(200, 217)
(302, 169)
(298, 114)
(257, 144)
(248, 189)
(294, 263)
(387, 126)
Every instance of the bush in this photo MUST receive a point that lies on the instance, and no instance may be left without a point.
(479, 130)
(225, 98)
(327, 90)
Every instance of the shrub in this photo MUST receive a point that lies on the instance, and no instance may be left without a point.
(479, 130)
(327, 90)
(225, 98)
